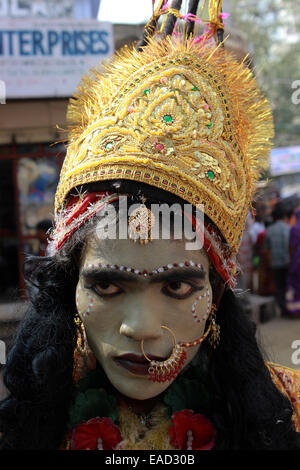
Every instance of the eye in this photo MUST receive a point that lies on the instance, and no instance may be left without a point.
(106, 288)
(180, 289)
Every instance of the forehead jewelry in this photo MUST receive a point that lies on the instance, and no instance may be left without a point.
(141, 222)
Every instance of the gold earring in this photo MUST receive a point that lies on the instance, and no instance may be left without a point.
(84, 357)
(81, 338)
(214, 338)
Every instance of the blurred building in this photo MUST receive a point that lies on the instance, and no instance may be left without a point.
(285, 170)
(45, 47)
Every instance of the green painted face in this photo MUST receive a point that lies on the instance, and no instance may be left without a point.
(120, 308)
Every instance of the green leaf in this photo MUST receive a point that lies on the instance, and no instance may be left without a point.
(94, 379)
(91, 404)
(187, 394)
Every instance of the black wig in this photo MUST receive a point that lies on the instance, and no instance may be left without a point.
(248, 411)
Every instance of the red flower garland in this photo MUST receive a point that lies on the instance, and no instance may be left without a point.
(103, 434)
(96, 434)
(201, 430)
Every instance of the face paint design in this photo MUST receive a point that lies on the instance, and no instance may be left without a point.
(89, 297)
(166, 370)
(126, 293)
(145, 273)
(200, 297)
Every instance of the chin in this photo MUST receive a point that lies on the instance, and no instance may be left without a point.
(141, 391)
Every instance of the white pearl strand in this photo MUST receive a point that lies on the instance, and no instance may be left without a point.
(190, 438)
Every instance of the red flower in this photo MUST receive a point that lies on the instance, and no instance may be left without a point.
(201, 432)
(96, 434)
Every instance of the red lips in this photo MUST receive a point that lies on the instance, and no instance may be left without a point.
(136, 363)
(140, 358)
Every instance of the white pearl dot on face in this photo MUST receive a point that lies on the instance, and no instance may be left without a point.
(199, 297)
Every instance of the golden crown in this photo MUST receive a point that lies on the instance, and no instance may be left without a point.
(180, 116)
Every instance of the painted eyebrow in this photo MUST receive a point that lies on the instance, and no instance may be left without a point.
(98, 275)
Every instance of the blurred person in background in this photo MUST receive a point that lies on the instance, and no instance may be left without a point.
(245, 257)
(277, 244)
(265, 272)
(293, 282)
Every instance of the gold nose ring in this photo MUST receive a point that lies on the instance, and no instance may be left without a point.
(161, 371)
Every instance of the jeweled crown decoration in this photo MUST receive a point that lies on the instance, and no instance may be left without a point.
(180, 116)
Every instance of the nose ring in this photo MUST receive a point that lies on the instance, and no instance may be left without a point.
(161, 371)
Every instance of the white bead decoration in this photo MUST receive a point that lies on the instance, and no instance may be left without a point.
(200, 297)
(99, 444)
(190, 438)
(90, 300)
(160, 269)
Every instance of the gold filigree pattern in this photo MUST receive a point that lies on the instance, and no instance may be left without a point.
(187, 118)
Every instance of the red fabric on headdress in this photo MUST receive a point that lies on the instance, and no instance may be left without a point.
(212, 242)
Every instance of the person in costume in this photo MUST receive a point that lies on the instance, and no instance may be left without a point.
(135, 341)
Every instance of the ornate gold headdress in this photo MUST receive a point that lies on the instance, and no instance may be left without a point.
(182, 115)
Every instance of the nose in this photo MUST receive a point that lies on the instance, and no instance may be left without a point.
(141, 318)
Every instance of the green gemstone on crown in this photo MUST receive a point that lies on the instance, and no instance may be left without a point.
(209, 125)
(146, 91)
(195, 88)
(109, 146)
(211, 174)
(168, 118)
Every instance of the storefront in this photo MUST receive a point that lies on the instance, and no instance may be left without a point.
(41, 62)
(28, 177)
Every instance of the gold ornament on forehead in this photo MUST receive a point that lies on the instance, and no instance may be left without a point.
(140, 225)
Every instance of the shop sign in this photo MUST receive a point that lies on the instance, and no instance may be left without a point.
(47, 57)
(285, 160)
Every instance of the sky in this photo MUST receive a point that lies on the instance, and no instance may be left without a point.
(125, 11)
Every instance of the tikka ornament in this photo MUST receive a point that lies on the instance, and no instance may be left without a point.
(141, 223)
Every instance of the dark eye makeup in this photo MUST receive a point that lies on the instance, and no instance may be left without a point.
(176, 288)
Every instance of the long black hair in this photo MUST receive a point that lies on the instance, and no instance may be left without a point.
(248, 411)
